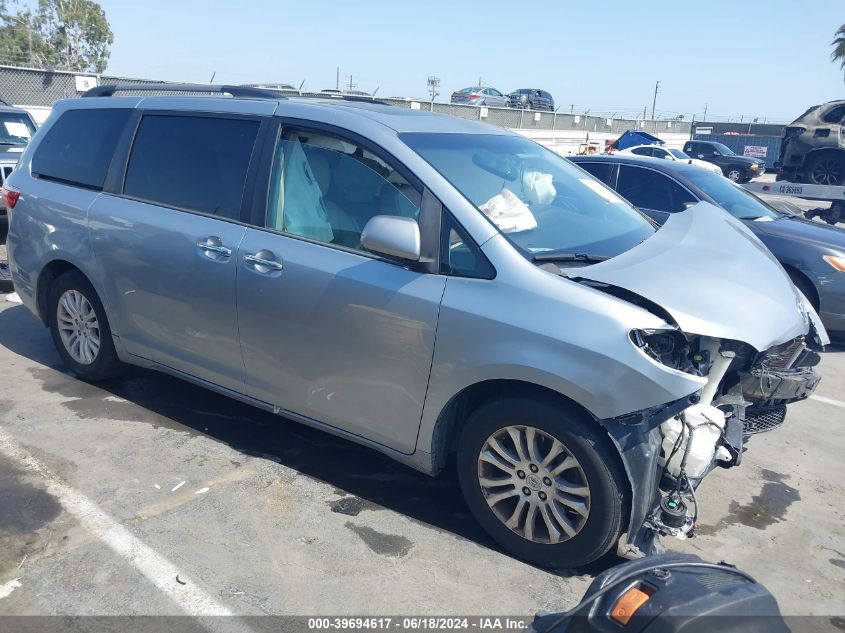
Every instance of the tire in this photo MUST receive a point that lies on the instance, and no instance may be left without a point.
(596, 467)
(826, 169)
(736, 174)
(73, 304)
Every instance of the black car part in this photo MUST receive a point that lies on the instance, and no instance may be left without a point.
(666, 594)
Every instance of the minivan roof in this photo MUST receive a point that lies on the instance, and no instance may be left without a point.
(398, 119)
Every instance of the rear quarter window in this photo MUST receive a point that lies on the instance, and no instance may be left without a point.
(79, 146)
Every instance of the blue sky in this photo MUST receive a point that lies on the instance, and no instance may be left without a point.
(744, 57)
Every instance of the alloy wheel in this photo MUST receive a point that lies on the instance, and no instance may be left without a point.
(78, 327)
(735, 175)
(828, 172)
(533, 484)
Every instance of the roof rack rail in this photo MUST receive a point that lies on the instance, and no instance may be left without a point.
(108, 90)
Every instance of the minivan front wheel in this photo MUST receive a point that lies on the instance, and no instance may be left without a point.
(80, 329)
(542, 480)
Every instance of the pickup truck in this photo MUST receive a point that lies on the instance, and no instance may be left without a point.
(737, 168)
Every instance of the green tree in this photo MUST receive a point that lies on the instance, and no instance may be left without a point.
(838, 44)
(67, 34)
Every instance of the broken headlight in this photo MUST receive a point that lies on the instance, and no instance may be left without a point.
(667, 347)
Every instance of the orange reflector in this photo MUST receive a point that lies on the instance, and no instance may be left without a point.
(837, 262)
(629, 602)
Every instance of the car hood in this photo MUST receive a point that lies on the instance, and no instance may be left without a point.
(736, 158)
(713, 276)
(797, 228)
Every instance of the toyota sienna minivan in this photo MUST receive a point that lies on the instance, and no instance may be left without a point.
(431, 287)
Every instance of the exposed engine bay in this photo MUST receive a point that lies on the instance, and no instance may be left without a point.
(714, 430)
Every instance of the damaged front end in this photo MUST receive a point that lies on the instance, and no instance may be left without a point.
(731, 317)
(669, 450)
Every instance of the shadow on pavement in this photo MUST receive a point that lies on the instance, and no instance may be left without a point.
(173, 403)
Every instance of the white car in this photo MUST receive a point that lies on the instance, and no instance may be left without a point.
(656, 151)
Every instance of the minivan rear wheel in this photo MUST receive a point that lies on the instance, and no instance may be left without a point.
(80, 329)
(543, 480)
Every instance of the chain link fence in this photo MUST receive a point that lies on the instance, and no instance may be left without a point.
(42, 88)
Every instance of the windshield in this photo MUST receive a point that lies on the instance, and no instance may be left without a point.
(730, 196)
(723, 149)
(540, 201)
(679, 154)
(15, 128)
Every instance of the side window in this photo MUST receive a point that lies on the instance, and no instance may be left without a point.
(659, 153)
(649, 189)
(191, 162)
(459, 254)
(79, 146)
(642, 151)
(601, 171)
(327, 189)
(834, 115)
(495, 92)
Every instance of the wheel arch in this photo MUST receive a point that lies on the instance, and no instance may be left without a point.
(49, 273)
(796, 273)
(450, 422)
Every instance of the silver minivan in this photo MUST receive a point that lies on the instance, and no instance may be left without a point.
(434, 288)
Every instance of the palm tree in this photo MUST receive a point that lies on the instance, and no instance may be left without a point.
(838, 43)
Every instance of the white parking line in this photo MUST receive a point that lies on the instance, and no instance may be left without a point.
(835, 403)
(155, 567)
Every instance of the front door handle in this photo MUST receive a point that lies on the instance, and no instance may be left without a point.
(264, 261)
(213, 244)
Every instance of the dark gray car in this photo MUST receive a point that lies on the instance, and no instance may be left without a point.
(812, 253)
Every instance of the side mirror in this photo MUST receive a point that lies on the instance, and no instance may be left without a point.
(392, 236)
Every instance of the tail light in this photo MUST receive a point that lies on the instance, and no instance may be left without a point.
(10, 197)
(473, 96)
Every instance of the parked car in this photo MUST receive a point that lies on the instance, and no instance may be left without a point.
(480, 96)
(812, 253)
(737, 168)
(531, 99)
(16, 129)
(431, 287)
(664, 153)
(813, 146)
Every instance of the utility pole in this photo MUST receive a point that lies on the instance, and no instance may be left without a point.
(654, 102)
(571, 108)
(705, 111)
(352, 86)
(433, 84)
(337, 79)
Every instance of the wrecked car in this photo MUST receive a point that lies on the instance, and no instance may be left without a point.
(434, 288)
(812, 148)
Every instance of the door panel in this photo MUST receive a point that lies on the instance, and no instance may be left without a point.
(170, 285)
(338, 337)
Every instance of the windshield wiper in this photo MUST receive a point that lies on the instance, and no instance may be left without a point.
(568, 257)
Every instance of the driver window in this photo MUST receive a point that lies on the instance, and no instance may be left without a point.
(326, 188)
(648, 189)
